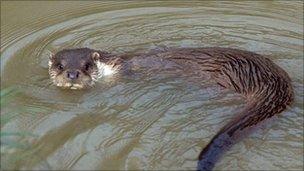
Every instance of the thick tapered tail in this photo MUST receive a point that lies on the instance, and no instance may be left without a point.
(226, 137)
(213, 151)
(220, 143)
(231, 133)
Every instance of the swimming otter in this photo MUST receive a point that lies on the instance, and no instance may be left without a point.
(265, 86)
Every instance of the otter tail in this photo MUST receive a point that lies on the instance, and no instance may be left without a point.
(234, 130)
(223, 140)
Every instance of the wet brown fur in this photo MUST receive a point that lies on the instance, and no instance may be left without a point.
(265, 86)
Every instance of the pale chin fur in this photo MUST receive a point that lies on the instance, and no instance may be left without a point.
(50, 63)
(71, 86)
(104, 69)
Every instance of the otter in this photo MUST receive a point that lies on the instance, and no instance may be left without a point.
(265, 86)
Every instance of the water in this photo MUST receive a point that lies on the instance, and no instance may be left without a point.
(156, 120)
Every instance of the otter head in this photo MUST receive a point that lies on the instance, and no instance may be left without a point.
(76, 68)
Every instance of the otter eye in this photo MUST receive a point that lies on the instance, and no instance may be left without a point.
(60, 66)
(87, 66)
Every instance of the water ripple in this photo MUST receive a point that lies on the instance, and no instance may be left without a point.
(159, 119)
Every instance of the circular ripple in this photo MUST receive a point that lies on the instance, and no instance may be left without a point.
(155, 121)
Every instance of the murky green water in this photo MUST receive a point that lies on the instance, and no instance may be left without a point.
(156, 120)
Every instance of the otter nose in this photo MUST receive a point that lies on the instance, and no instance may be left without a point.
(73, 75)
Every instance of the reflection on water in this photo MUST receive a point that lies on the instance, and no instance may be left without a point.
(153, 120)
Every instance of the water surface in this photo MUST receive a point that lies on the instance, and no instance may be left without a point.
(155, 120)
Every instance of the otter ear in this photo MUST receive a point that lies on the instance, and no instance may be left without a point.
(95, 56)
